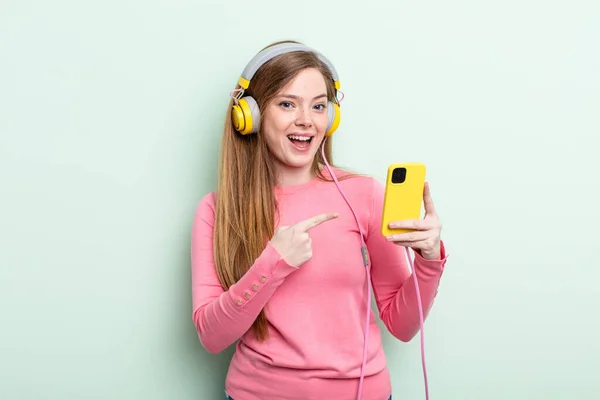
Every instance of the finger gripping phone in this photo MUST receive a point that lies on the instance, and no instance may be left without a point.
(403, 197)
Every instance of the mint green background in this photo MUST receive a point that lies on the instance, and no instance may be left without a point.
(110, 120)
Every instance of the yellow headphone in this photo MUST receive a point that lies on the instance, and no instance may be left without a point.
(245, 113)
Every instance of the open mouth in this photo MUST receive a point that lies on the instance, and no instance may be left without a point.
(300, 141)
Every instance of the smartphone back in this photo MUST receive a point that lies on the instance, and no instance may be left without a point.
(403, 195)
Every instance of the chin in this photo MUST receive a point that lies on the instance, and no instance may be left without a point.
(296, 156)
(299, 161)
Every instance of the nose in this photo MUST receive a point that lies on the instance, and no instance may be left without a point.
(304, 117)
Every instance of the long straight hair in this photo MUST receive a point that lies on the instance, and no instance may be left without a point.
(246, 210)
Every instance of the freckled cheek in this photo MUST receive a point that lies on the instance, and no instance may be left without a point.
(321, 123)
(285, 127)
(279, 125)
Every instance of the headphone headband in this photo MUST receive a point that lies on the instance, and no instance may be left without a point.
(276, 50)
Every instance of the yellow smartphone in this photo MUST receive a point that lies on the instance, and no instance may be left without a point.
(403, 195)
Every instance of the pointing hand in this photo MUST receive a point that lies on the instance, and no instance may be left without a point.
(294, 243)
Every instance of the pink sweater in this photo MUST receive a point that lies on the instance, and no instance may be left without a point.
(316, 312)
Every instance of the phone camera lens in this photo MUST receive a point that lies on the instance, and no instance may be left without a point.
(399, 175)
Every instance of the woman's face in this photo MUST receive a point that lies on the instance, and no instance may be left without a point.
(294, 122)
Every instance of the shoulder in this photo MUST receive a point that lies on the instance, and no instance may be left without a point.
(205, 209)
(208, 200)
(362, 188)
(363, 184)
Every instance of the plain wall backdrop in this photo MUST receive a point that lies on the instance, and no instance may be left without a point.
(111, 116)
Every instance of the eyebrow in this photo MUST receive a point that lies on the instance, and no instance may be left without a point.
(293, 96)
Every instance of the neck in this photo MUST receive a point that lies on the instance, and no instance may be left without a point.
(291, 176)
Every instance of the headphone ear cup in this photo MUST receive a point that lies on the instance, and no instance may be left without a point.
(334, 116)
(245, 116)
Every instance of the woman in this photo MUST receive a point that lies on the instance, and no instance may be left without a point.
(276, 250)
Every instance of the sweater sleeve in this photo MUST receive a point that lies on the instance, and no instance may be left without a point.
(222, 317)
(393, 285)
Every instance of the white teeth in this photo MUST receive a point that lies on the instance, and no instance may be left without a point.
(303, 138)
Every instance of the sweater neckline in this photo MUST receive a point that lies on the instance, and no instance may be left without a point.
(315, 180)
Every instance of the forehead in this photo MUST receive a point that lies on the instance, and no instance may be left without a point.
(310, 81)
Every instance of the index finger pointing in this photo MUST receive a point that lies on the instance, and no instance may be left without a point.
(310, 223)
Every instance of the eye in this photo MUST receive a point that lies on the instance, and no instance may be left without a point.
(285, 104)
(320, 107)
